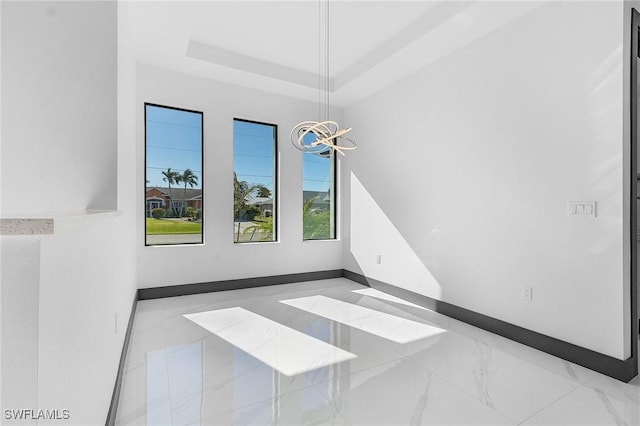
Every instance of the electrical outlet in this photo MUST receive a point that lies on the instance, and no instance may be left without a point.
(378, 259)
(526, 293)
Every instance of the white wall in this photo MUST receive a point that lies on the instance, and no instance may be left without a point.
(58, 61)
(465, 168)
(86, 292)
(59, 151)
(20, 277)
(219, 258)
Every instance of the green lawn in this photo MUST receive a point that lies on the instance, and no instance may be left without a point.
(169, 226)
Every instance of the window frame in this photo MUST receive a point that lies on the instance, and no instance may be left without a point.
(276, 179)
(202, 186)
(334, 190)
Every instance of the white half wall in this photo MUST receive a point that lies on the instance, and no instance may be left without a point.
(464, 171)
(219, 258)
(86, 293)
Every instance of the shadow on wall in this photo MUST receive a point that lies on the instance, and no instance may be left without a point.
(373, 234)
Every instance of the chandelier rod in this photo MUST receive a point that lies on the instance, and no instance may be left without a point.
(327, 136)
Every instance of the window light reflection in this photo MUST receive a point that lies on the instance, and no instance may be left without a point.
(390, 327)
(282, 348)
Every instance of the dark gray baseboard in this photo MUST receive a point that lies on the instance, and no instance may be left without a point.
(612, 367)
(208, 287)
(115, 396)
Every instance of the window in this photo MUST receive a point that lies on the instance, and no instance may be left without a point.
(173, 175)
(318, 186)
(254, 181)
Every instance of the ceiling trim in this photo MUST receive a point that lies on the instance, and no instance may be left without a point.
(227, 58)
(427, 22)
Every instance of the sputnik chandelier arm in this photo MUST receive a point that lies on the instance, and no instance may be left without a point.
(324, 137)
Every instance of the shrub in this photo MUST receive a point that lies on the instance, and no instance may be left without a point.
(158, 213)
(251, 212)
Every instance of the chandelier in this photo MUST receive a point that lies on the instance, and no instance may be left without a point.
(322, 137)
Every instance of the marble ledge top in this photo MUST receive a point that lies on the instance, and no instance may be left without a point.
(51, 223)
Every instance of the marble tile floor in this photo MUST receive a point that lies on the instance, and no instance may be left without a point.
(324, 353)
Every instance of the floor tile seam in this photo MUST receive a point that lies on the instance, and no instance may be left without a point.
(243, 406)
(315, 385)
(350, 322)
(369, 315)
(506, 353)
(129, 384)
(525, 348)
(139, 329)
(378, 313)
(260, 401)
(412, 310)
(263, 401)
(588, 383)
(122, 403)
(574, 384)
(576, 379)
(357, 306)
(131, 420)
(330, 403)
(551, 404)
(130, 367)
(617, 394)
(457, 387)
(493, 344)
(465, 392)
(166, 363)
(376, 365)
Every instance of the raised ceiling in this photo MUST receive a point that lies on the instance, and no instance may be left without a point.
(276, 46)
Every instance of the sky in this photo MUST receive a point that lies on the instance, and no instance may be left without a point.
(174, 140)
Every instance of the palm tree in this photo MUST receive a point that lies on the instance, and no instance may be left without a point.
(264, 192)
(170, 177)
(188, 178)
(264, 228)
(242, 192)
(316, 223)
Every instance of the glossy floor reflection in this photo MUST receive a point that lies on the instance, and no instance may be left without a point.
(322, 353)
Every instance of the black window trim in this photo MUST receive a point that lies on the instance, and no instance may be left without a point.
(276, 181)
(151, 104)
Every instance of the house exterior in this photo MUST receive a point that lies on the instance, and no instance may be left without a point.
(265, 204)
(161, 197)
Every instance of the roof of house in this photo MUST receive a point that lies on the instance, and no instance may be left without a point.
(322, 196)
(150, 188)
(196, 193)
(260, 201)
(179, 193)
